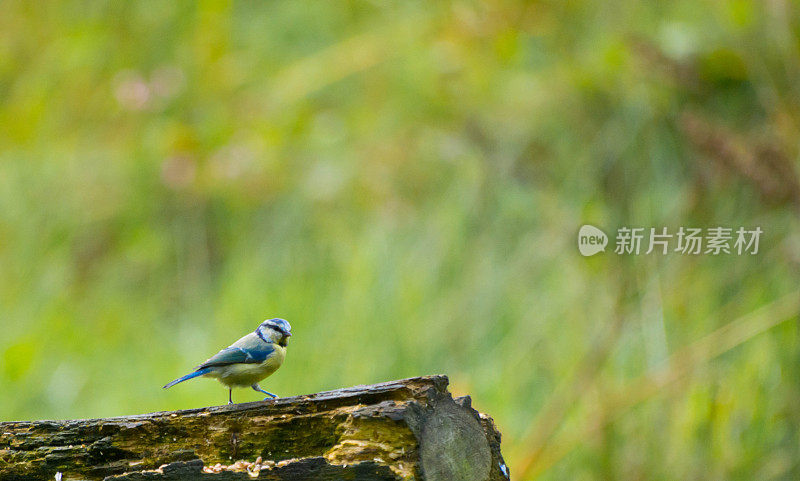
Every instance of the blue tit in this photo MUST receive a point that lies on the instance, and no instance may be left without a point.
(248, 360)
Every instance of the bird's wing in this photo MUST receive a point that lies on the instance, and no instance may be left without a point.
(236, 355)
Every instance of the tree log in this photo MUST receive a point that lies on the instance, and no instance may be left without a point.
(410, 429)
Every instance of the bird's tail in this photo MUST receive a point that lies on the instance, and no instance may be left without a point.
(188, 376)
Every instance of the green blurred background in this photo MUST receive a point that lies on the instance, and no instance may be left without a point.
(404, 182)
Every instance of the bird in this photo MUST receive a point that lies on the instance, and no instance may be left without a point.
(247, 361)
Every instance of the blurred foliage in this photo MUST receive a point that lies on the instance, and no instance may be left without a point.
(404, 181)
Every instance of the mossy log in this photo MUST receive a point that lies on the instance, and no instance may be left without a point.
(398, 430)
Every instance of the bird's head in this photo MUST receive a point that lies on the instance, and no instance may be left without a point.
(275, 330)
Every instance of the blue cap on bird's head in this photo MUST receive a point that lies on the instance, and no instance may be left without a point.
(277, 324)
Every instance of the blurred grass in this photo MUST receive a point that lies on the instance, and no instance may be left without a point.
(404, 183)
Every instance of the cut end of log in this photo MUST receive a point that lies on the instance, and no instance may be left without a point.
(411, 429)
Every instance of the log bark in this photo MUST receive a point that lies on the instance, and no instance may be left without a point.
(410, 429)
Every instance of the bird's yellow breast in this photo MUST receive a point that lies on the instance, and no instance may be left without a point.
(248, 374)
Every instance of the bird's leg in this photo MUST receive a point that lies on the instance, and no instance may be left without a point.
(230, 393)
(256, 388)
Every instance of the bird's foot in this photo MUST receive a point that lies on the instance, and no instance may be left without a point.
(257, 388)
